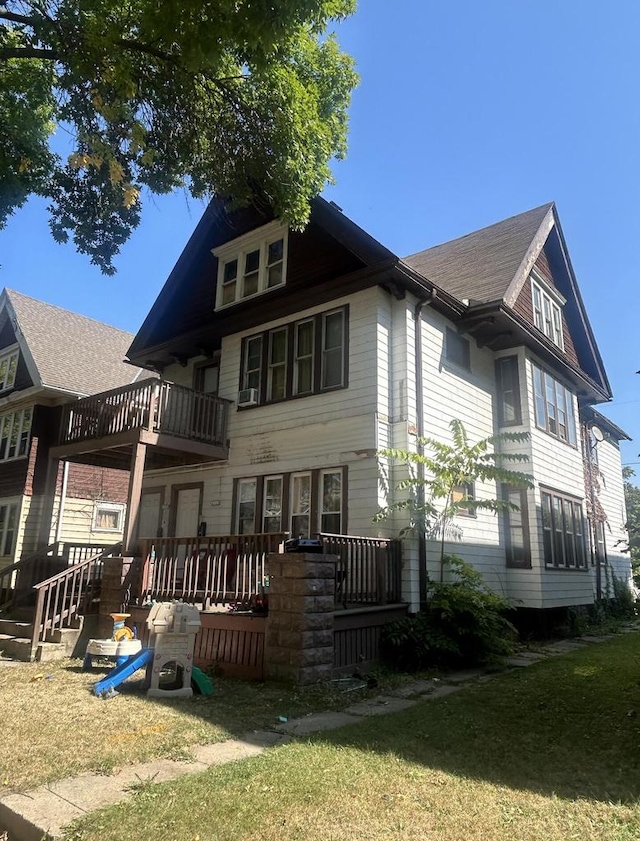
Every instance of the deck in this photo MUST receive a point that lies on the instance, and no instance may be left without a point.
(180, 425)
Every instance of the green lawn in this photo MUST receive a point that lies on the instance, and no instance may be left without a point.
(549, 752)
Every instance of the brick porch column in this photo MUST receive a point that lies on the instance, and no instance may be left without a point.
(120, 581)
(299, 629)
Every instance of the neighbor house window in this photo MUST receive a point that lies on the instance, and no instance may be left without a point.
(547, 314)
(15, 432)
(8, 528)
(8, 368)
(508, 391)
(108, 516)
(563, 531)
(459, 495)
(252, 264)
(553, 406)
(305, 357)
(457, 349)
(303, 503)
(517, 547)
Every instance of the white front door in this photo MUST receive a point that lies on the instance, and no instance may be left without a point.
(187, 512)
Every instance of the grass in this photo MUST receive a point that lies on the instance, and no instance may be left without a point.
(59, 728)
(549, 753)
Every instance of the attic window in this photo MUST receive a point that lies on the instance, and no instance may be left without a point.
(251, 265)
(547, 310)
(8, 368)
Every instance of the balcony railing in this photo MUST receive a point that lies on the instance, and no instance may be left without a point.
(152, 405)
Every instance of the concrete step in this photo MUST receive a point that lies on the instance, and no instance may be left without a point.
(47, 652)
(67, 637)
(18, 648)
(11, 627)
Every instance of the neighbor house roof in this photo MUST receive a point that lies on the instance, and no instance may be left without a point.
(481, 265)
(71, 352)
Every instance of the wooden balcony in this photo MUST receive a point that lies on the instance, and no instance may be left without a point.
(179, 425)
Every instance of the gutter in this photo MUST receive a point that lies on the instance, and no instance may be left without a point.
(423, 577)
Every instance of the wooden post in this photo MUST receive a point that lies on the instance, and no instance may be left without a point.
(133, 500)
(48, 500)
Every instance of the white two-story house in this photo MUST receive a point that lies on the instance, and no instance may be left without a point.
(328, 347)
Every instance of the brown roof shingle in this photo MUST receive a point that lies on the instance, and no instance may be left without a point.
(72, 352)
(481, 265)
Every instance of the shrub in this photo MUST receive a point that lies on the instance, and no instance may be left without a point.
(464, 624)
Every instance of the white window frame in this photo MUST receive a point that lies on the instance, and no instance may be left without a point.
(16, 422)
(117, 507)
(547, 304)
(277, 478)
(10, 355)
(238, 249)
(10, 506)
(321, 509)
(561, 402)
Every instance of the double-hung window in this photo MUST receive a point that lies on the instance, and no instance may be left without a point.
(8, 527)
(461, 494)
(547, 312)
(297, 359)
(302, 503)
(252, 264)
(516, 520)
(508, 389)
(8, 368)
(553, 406)
(15, 432)
(563, 532)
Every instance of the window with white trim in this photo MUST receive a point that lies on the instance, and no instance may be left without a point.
(8, 368)
(553, 406)
(459, 495)
(330, 501)
(547, 312)
(272, 510)
(247, 506)
(301, 505)
(15, 433)
(8, 528)
(563, 532)
(108, 516)
(252, 264)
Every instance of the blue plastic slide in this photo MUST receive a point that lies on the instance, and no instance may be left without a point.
(104, 688)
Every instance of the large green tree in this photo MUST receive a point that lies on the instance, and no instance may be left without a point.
(246, 99)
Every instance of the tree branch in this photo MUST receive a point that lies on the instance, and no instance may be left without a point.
(5, 14)
(27, 52)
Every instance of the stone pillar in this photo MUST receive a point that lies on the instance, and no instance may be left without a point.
(120, 578)
(299, 629)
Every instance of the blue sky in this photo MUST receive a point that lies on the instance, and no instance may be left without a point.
(466, 113)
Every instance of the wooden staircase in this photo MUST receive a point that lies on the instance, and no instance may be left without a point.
(42, 615)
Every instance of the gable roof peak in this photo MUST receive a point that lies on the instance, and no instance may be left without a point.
(483, 264)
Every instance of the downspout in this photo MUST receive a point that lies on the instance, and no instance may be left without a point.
(63, 496)
(423, 578)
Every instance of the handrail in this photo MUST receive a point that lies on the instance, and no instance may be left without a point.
(153, 405)
(213, 569)
(7, 573)
(59, 597)
(369, 569)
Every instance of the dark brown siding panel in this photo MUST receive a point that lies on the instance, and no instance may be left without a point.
(13, 475)
(524, 307)
(23, 378)
(7, 335)
(542, 266)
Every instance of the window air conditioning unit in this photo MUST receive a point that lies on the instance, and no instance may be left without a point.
(248, 397)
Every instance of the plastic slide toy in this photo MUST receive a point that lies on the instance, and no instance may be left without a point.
(200, 682)
(105, 687)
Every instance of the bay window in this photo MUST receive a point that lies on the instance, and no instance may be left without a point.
(553, 406)
(563, 532)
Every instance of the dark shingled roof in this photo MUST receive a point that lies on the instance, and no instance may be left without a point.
(481, 265)
(72, 352)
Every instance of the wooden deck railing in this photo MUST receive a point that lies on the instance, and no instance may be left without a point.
(152, 404)
(17, 581)
(61, 598)
(369, 568)
(207, 570)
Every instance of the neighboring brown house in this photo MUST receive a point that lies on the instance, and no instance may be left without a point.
(47, 357)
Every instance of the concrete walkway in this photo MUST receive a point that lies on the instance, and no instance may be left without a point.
(44, 812)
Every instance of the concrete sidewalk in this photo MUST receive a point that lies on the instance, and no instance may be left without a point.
(45, 811)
